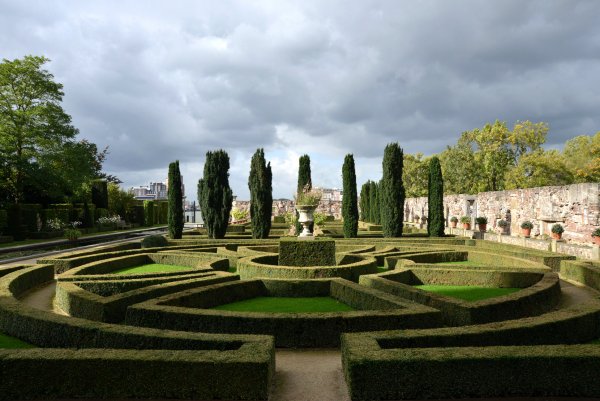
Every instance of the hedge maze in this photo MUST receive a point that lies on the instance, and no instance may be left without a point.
(163, 326)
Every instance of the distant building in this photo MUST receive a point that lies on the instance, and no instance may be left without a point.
(154, 191)
(331, 194)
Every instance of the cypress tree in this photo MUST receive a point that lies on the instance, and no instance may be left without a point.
(214, 194)
(100, 193)
(304, 180)
(374, 203)
(349, 202)
(175, 196)
(365, 214)
(435, 205)
(391, 194)
(261, 195)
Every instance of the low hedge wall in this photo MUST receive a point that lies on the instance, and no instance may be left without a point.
(468, 372)
(266, 267)
(189, 311)
(299, 252)
(550, 259)
(244, 371)
(584, 272)
(539, 298)
(99, 373)
(78, 302)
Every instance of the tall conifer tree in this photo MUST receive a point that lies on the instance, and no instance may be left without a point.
(435, 205)
(261, 195)
(175, 196)
(214, 194)
(349, 201)
(392, 192)
(374, 203)
(365, 213)
(304, 180)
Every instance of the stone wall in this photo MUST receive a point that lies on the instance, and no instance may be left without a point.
(282, 206)
(576, 207)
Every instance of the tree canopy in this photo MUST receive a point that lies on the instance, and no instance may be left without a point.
(41, 160)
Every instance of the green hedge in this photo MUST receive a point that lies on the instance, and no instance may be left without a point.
(189, 311)
(267, 266)
(3, 220)
(550, 259)
(471, 372)
(584, 272)
(99, 373)
(312, 252)
(236, 228)
(539, 298)
(148, 213)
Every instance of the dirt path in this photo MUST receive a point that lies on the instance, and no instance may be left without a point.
(575, 294)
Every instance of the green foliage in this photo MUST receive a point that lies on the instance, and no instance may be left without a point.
(365, 196)
(391, 197)
(287, 305)
(582, 157)
(120, 201)
(304, 182)
(3, 220)
(308, 197)
(349, 200)
(41, 161)
(261, 195)
(100, 193)
(317, 252)
(214, 194)
(596, 233)
(148, 213)
(415, 175)
(175, 196)
(154, 241)
(481, 220)
(469, 293)
(374, 209)
(528, 225)
(72, 234)
(239, 214)
(558, 228)
(435, 205)
(454, 219)
(319, 219)
(465, 219)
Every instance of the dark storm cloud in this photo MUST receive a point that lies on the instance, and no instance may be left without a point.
(158, 82)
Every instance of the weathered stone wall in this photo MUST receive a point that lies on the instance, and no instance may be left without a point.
(576, 207)
(282, 206)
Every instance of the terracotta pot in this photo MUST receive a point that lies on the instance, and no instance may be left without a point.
(482, 227)
(596, 240)
(467, 226)
(526, 232)
(556, 236)
(453, 224)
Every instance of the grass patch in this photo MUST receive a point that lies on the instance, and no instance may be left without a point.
(287, 305)
(382, 269)
(467, 293)
(11, 342)
(151, 268)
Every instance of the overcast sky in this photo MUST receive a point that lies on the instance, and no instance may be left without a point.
(158, 81)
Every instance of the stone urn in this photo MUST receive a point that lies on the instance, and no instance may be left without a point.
(305, 217)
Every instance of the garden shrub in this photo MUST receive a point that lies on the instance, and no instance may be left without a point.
(154, 241)
(315, 252)
(148, 213)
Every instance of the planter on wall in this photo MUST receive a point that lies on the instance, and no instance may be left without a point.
(526, 232)
(467, 226)
(556, 236)
(482, 227)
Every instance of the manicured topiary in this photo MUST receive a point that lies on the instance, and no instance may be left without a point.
(374, 211)
(481, 220)
(527, 225)
(391, 196)
(304, 183)
(317, 252)
(214, 193)
(100, 193)
(154, 241)
(435, 205)
(454, 219)
(175, 217)
(349, 201)
(365, 196)
(261, 195)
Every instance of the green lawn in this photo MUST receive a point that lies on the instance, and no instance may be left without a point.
(151, 268)
(381, 269)
(287, 305)
(467, 293)
(11, 342)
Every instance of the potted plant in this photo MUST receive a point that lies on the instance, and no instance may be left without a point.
(557, 230)
(596, 236)
(453, 221)
(482, 223)
(526, 227)
(503, 224)
(466, 222)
